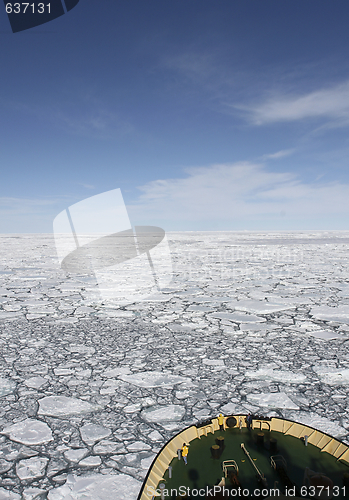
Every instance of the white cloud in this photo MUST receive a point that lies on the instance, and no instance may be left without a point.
(331, 104)
(278, 154)
(231, 193)
(24, 205)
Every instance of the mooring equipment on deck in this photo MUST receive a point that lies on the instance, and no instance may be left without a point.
(229, 464)
(279, 464)
(259, 473)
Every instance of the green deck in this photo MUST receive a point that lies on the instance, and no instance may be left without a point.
(203, 471)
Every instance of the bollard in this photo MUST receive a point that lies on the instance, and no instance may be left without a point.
(170, 472)
(179, 453)
(306, 440)
(162, 486)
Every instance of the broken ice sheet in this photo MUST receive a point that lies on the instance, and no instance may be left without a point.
(29, 432)
(325, 334)
(99, 351)
(7, 386)
(318, 422)
(238, 317)
(163, 414)
(33, 493)
(339, 314)
(57, 406)
(276, 375)
(36, 382)
(97, 487)
(91, 433)
(332, 376)
(272, 400)
(259, 306)
(8, 495)
(76, 455)
(153, 379)
(31, 468)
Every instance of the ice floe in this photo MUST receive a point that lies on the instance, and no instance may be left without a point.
(97, 487)
(6, 386)
(276, 375)
(153, 379)
(36, 382)
(29, 432)
(58, 406)
(326, 313)
(238, 317)
(31, 468)
(332, 376)
(259, 307)
(163, 414)
(325, 334)
(8, 495)
(272, 400)
(91, 433)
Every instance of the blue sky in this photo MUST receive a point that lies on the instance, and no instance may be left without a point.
(208, 115)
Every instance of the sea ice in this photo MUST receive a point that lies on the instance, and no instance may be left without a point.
(8, 495)
(36, 382)
(169, 413)
(5, 465)
(155, 436)
(90, 462)
(238, 317)
(81, 349)
(332, 376)
(219, 363)
(31, 468)
(29, 432)
(76, 455)
(326, 313)
(6, 386)
(97, 487)
(153, 379)
(91, 433)
(58, 406)
(146, 462)
(259, 306)
(276, 375)
(115, 372)
(105, 447)
(325, 334)
(33, 494)
(320, 423)
(138, 446)
(272, 400)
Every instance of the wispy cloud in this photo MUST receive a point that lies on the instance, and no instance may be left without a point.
(25, 205)
(34, 215)
(91, 121)
(231, 193)
(331, 104)
(278, 154)
(79, 114)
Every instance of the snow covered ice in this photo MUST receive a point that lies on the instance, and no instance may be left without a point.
(91, 391)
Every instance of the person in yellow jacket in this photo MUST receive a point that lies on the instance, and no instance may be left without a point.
(221, 422)
(185, 451)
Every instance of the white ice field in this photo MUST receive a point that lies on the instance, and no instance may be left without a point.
(91, 391)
